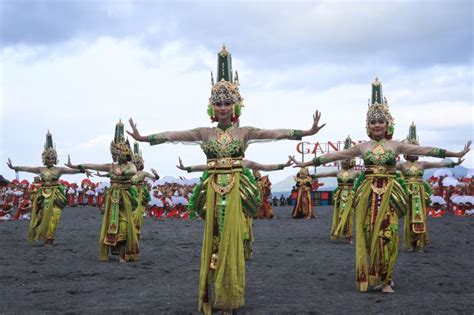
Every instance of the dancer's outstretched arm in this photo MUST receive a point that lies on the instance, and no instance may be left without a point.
(193, 168)
(146, 174)
(276, 134)
(428, 165)
(325, 174)
(90, 166)
(410, 149)
(331, 157)
(266, 167)
(28, 169)
(245, 163)
(168, 136)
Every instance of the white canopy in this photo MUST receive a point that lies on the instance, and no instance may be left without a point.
(443, 172)
(450, 181)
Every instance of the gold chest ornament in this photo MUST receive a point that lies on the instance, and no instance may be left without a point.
(378, 149)
(413, 168)
(48, 174)
(224, 138)
(345, 175)
(117, 170)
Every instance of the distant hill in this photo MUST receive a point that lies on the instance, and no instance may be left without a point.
(458, 171)
(285, 185)
(331, 183)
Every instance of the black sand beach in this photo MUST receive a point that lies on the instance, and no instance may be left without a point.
(295, 269)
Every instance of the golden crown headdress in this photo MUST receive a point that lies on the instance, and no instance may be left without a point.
(137, 157)
(378, 109)
(347, 146)
(412, 138)
(120, 146)
(227, 88)
(49, 151)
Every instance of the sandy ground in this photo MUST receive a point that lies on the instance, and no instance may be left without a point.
(296, 269)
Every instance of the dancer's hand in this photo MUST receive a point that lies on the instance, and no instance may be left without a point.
(297, 163)
(289, 162)
(9, 164)
(135, 133)
(314, 128)
(155, 173)
(181, 165)
(458, 162)
(466, 149)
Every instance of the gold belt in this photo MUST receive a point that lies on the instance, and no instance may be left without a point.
(50, 184)
(380, 170)
(414, 179)
(120, 184)
(345, 185)
(226, 163)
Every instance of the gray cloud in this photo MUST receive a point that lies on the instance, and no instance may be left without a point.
(263, 34)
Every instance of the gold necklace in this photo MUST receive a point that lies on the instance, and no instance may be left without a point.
(378, 147)
(224, 137)
(413, 168)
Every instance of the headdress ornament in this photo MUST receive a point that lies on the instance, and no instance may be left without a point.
(347, 146)
(378, 109)
(137, 157)
(348, 143)
(49, 151)
(227, 88)
(303, 171)
(120, 146)
(412, 138)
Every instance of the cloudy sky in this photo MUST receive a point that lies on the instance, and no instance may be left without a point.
(77, 67)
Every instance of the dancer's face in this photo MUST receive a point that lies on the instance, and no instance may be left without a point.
(378, 128)
(346, 164)
(50, 161)
(114, 157)
(223, 109)
(122, 159)
(411, 158)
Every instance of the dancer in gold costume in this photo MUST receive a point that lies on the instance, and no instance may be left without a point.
(248, 221)
(225, 197)
(343, 198)
(143, 194)
(381, 198)
(118, 234)
(415, 228)
(49, 199)
(304, 205)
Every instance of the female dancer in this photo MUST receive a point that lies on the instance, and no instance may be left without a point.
(381, 199)
(227, 196)
(248, 221)
(304, 206)
(50, 198)
(143, 194)
(415, 229)
(343, 198)
(118, 234)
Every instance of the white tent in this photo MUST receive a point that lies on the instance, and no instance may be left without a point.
(437, 199)
(443, 172)
(450, 181)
